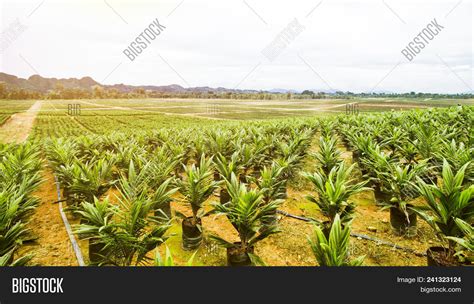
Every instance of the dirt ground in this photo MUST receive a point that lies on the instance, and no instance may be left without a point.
(17, 128)
(52, 246)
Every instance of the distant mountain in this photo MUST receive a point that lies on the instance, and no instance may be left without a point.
(42, 84)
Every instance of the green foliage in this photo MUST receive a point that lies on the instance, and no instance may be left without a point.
(466, 243)
(127, 232)
(168, 261)
(400, 182)
(333, 192)
(198, 184)
(448, 202)
(19, 178)
(328, 155)
(271, 183)
(226, 167)
(247, 213)
(333, 251)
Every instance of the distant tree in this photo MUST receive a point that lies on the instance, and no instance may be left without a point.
(3, 89)
(98, 91)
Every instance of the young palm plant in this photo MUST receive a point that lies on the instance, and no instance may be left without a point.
(226, 167)
(457, 155)
(466, 253)
(333, 193)
(328, 155)
(273, 188)
(447, 202)
(400, 181)
(333, 250)
(197, 186)
(168, 260)
(137, 184)
(247, 213)
(83, 181)
(19, 178)
(121, 235)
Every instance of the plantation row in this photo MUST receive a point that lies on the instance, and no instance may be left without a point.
(120, 186)
(51, 125)
(19, 177)
(420, 153)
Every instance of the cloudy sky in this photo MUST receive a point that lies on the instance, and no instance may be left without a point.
(344, 45)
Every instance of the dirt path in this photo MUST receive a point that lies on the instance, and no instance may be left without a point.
(52, 246)
(19, 125)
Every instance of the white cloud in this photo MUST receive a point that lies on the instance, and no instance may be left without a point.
(352, 45)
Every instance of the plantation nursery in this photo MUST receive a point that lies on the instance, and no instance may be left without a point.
(123, 185)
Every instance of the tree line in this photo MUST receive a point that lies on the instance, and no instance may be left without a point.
(100, 92)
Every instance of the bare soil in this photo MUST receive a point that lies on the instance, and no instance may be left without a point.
(19, 125)
(52, 246)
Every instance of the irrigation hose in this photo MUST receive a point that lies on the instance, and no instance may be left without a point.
(75, 246)
(357, 235)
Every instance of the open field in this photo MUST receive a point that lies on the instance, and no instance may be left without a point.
(129, 155)
(10, 107)
(106, 116)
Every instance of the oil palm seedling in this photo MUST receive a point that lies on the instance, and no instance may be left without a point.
(466, 243)
(12, 230)
(333, 250)
(327, 128)
(60, 152)
(178, 153)
(362, 144)
(248, 214)
(273, 188)
(225, 168)
(19, 178)
(375, 163)
(288, 168)
(457, 155)
(334, 192)
(400, 181)
(168, 260)
(145, 182)
(162, 197)
(121, 235)
(97, 223)
(291, 157)
(164, 164)
(88, 180)
(196, 186)
(406, 152)
(271, 183)
(249, 155)
(219, 142)
(20, 169)
(427, 140)
(393, 136)
(126, 153)
(446, 203)
(8, 260)
(328, 155)
(198, 148)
